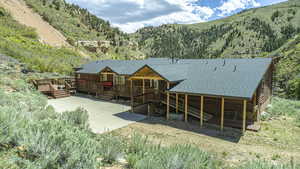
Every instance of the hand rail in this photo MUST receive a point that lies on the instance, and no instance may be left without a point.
(52, 89)
(68, 86)
(34, 83)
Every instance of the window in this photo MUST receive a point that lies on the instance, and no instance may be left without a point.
(120, 80)
(155, 84)
(104, 76)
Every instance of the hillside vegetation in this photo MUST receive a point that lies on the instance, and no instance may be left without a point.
(263, 32)
(78, 24)
(22, 43)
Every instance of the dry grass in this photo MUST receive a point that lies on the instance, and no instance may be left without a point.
(278, 141)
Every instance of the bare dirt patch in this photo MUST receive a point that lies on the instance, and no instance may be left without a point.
(230, 146)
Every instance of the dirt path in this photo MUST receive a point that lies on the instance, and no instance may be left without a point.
(23, 14)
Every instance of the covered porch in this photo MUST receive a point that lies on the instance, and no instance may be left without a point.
(148, 87)
(222, 111)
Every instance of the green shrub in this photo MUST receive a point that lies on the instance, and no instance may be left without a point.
(78, 117)
(144, 155)
(53, 144)
(8, 125)
(110, 148)
(137, 143)
(284, 107)
(177, 156)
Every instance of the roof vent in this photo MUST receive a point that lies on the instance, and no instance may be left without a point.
(234, 70)
(215, 69)
(224, 62)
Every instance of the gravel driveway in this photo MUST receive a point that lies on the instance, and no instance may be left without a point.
(103, 116)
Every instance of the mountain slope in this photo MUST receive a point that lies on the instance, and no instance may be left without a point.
(288, 68)
(84, 30)
(26, 16)
(22, 43)
(247, 34)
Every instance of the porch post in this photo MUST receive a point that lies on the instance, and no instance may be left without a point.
(244, 115)
(186, 108)
(168, 100)
(131, 95)
(201, 110)
(222, 114)
(255, 109)
(143, 90)
(168, 105)
(176, 102)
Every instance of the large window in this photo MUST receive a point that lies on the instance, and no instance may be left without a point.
(104, 77)
(120, 80)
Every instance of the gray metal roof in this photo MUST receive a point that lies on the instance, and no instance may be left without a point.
(124, 67)
(220, 77)
(213, 77)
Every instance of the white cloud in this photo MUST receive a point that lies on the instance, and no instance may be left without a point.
(231, 5)
(130, 15)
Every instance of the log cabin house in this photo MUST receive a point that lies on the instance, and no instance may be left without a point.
(228, 92)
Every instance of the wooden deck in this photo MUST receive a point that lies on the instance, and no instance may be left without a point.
(55, 88)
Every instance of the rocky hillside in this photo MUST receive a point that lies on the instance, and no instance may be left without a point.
(84, 30)
(267, 31)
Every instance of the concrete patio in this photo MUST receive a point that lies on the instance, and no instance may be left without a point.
(103, 116)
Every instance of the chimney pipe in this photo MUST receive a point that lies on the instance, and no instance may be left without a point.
(234, 68)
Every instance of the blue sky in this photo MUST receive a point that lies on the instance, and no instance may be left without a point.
(130, 15)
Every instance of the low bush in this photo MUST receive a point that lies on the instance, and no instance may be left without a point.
(110, 148)
(283, 107)
(53, 144)
(177, 156)
(78, 117)
(144, 155)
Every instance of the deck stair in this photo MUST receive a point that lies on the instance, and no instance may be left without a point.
(60, 94)
(192, 111)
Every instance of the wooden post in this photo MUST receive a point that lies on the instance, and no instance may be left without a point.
(201, 110)
(222, 114)
(168, 101)
(168, 105)
(176, 102)
(143, 90)
(148, 110)
(244, 115)
(131, 95)
(255, 108)
(186, 108)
